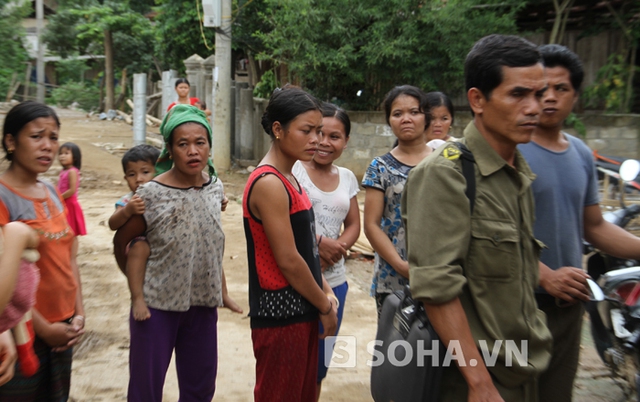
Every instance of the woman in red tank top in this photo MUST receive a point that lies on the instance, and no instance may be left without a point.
(287, 292)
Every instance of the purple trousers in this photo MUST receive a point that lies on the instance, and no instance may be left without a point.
(193, 334)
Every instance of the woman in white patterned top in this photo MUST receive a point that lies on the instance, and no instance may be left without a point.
(183, 282)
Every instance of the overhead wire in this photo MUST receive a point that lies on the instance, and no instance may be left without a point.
(204, 38)
(221, 31)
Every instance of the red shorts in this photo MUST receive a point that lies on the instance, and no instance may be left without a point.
(286, 362)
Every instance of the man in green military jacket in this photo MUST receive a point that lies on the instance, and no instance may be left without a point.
(476, 271)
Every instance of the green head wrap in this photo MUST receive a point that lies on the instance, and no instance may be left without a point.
(180, 114)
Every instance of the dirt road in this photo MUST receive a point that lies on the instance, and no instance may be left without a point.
(100, 371)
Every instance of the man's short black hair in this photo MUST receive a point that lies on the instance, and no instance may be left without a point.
(483, 66)
(144, 152)
(561, 56)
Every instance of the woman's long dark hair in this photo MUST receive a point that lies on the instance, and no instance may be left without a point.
(182, 81)
(285, 105)
(22, 114)
(436, 99)
(331, 110)
(75, 153)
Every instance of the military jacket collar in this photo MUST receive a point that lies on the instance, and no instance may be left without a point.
(487, 159)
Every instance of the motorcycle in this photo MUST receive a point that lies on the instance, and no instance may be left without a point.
(609, 166)
(614, 308)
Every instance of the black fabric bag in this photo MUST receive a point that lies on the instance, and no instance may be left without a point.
(404, 328)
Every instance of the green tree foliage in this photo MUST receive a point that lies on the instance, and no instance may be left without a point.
(12, 53)
(86, 96)
(609, 89)
(574, 121)
(78, 28)
(71, 70)
(179, 33)
(247, 22)
(614, 85)
(337, 48)
(100, 27)
(267, 84)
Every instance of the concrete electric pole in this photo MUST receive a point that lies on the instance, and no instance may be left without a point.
(222, 107)
(40, 56)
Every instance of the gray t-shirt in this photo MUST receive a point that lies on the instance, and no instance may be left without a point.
(184, 231)
(566, 183)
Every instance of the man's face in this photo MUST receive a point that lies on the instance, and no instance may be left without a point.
(511, 114)
(559, 98)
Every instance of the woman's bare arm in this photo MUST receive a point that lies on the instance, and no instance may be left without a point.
(17, 237)
(373, 207)
(351, 230)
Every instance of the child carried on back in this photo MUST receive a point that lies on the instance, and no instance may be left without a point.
(138, 164)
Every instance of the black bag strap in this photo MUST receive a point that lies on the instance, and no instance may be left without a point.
(468, 171)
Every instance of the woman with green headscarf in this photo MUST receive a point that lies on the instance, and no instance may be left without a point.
(184, 280)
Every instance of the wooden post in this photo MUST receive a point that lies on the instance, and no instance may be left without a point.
(101, 106)
(27, 80)
(123, 82)
(123, 90)
(13, 81)
(40, 58)
(108, 69)
(12, 91)
(605, 187)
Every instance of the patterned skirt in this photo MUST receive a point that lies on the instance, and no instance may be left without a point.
(50, 383)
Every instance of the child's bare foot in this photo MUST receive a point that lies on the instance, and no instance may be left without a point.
(228, 302)
(140, 310)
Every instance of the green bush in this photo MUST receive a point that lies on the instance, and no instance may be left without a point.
(267, 84)
(574, 121)
(13, 55)
(87, 96)
(70, 70)
(609, 90)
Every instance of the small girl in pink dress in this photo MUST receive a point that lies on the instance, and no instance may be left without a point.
(70, 158)
(68, 183)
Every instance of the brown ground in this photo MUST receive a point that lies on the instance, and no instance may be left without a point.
(100, 371)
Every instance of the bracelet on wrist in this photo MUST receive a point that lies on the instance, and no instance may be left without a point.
(78, 316)
(319, 240)
(328, 310)
(334, 298)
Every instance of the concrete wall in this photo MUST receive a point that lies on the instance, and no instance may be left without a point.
(615, 135)
(371, 137)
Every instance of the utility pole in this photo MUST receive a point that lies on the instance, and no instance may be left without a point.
(222, 111)
(40, 57)
(140, 109)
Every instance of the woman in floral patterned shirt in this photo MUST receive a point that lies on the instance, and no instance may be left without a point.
(384, 181)
(183, 283)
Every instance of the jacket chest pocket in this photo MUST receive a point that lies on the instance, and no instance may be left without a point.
(494, 250)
